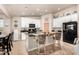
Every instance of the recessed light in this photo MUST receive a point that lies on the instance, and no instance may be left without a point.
(32, 13)
(58, 8)
(23, 13)
(38, 9)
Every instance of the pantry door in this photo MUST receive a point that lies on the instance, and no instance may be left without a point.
(46, 25)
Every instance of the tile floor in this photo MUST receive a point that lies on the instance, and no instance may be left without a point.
(20, 49)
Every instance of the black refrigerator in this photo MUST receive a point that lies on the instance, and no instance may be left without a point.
(69, 31)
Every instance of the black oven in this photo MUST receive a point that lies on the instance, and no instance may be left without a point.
(69, 32)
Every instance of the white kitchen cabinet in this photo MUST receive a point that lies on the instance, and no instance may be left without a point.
(24, 35)
(59, 21)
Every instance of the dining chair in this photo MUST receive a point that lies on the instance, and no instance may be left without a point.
(56, 39)
(2, 45)
(7, 44)
(11, 39)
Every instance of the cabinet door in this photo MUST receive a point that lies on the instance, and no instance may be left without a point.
(46, 27)
(55, 22)
(23, 36)
(74, 17)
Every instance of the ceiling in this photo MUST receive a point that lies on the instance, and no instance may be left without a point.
(34, 9)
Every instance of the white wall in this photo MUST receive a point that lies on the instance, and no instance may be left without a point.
(16, 29)
(7, 20)
(7, 25)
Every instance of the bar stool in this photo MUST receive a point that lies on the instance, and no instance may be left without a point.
(56, 39)
(41, 43)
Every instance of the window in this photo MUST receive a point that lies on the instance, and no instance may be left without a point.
(1, 23)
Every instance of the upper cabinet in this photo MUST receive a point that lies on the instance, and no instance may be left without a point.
(57, 22)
